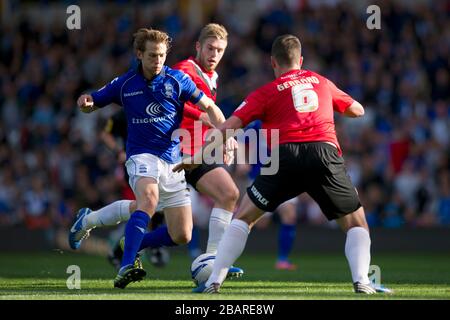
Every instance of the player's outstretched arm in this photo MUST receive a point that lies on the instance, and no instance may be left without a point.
(355, 110)
(215, 114)
(86, 103)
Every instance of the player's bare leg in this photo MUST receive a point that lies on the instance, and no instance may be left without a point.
(179, 223)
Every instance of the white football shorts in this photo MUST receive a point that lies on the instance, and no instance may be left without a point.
(173, 191)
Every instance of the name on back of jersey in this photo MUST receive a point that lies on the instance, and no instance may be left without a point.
(307, 82)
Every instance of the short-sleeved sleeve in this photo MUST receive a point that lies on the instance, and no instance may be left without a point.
(252, 108)
(188, 90)
(107, 94)
(341, 100)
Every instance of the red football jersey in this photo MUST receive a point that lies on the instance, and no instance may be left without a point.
(300, 103)
(205, 81)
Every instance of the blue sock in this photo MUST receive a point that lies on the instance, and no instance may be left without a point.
(157, 238)
(134, 232)
(286, 237)
(194, 245)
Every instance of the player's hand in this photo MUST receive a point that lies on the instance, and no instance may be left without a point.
(86, 103)
(204, 118)
(186, 164)
(230, 146)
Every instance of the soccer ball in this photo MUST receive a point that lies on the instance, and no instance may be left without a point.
(202, 267)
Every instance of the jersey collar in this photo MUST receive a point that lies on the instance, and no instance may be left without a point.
(209, 77)
(290, 72)
(149, 82)
(193, 60)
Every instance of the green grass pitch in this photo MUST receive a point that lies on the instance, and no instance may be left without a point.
(320, 276)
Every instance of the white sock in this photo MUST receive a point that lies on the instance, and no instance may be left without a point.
(110, 215)
(218, 222)
(357, 251)
(230, 248)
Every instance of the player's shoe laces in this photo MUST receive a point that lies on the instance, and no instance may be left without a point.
(202, 288)
(76, 233)
(127, 274)
(234, 272)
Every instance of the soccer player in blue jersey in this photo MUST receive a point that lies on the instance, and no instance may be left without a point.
(211, 180)
(153, 96)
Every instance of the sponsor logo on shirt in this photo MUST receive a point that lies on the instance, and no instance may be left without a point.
(131, 94)
(153, 109)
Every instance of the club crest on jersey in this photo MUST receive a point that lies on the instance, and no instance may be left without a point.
(168, 90)
(153, 109)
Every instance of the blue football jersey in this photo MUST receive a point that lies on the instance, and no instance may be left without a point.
(154, 109)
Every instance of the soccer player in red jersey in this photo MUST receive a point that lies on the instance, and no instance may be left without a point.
(209, 179)
(300, 103)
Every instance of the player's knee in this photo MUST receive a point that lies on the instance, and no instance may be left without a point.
(229, 196)
(354, 219)
(147, 205)
(359, 218)
(133, 206)
(150, 195)
(289, 219)
(234, 194)
(182, 238)
(288, 214)
(148, 200)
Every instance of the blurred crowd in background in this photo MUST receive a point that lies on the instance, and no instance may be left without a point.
(52, 161)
